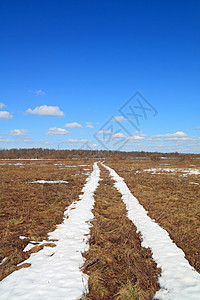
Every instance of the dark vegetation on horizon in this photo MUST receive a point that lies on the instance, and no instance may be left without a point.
(66, 154)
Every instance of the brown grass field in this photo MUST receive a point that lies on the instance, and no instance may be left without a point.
(33, 210)
(171, 199)
(118, 266)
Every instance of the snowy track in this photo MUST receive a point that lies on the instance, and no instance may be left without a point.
(55, 272)
(178, 280)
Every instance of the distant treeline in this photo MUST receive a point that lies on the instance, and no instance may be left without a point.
(64, 154)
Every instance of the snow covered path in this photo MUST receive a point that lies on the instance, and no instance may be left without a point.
(55, 272)
(178, 280)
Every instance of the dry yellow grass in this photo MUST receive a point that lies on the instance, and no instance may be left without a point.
(33, 210)
(119, 268)
(171, 199)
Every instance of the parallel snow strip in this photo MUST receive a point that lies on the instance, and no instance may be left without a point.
(55, 272)
(178, 280)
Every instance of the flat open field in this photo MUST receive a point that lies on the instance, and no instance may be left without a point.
(117, 265)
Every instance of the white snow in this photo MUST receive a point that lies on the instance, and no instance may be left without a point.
(3, 260)
(33, 244)
(74, 166)
(178, 280)
(50, 181)
(27, 159)
(191, 172)
(186, 172)
(22, 237)
(55, 272)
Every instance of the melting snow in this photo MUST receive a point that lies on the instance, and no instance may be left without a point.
(22, 237)
(172, 170)
(55, 272)
(33, 244)
(50, 181)
(3, 260)
(178, 280)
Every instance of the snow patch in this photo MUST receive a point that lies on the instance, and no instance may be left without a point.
(50, 181)
(3, 260)
(172, 170)
(21, 237)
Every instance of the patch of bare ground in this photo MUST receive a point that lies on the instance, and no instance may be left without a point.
(117, 265)
(31, 209)
(170, 198)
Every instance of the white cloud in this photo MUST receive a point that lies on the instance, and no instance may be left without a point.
(18, 132)
(119, 119)
(28, 141)
(46, 111)
(154, 138)
(138, 135)
(76, 141)
(5, 140)
(104, 132)
(118, 135)
(55, 130)
(94, 145)
(2, 105)
(171, 135)
(135, 137)
(178, 139)
(39, 92)
(72, 141)
(73, 125)
(197, 128)
(5, 115)
(45, 142)
(89, 125)
(187, 138)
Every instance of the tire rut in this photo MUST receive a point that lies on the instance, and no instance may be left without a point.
(117, 265)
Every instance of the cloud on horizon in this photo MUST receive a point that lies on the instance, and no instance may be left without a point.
(178, 134)
(6, 140)
(135, 137)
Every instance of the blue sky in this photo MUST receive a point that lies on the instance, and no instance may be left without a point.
(67, 68)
